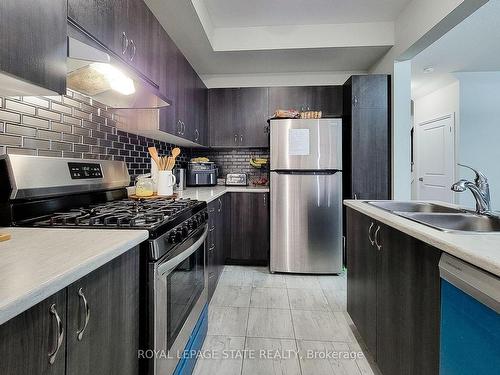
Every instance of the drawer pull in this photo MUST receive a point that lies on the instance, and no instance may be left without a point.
(60, 334)
(370, 233)
(80, 332)
(379, 246)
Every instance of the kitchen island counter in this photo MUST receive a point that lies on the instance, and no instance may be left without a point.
(479, 249)
(210, 193)
(36, 262)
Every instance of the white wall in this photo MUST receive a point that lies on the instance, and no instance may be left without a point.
(420, 24)
(401, 144)
(439, 103)
(277, 79)
(479, 136)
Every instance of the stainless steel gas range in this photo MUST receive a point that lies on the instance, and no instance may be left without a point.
(90, 194)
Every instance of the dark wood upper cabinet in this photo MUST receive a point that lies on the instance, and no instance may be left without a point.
(106, 21)
(110, 340)
(221, 117)
(168, 82)
(126, 27)
(251, 115)
(33, 42)
(367, 137)
(249, 229)
(238, 117)
(327, 99)
(200, 112)
(145, 32)
(27, 339)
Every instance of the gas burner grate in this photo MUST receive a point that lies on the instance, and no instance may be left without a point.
(122, 213)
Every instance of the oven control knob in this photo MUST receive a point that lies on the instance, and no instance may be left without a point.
(184, 231)
(173, 237)
(193, 224)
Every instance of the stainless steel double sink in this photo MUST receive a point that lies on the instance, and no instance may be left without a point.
(446, 219)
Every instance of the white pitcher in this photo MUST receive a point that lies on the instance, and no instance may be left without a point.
(166, 182)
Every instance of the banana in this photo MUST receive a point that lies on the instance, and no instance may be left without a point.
(254, 164)
(258, 162)
(200, 160)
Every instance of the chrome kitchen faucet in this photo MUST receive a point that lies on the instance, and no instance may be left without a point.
(480, 189)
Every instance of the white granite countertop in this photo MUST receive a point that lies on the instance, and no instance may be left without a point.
(481, 250)
(36, 263)
(211, 193)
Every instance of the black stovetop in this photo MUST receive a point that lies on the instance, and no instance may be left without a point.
(155, 215)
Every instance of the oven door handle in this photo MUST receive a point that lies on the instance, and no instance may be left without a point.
(170, 264)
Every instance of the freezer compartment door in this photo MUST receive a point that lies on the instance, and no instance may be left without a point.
(306, 223)
(306, 144)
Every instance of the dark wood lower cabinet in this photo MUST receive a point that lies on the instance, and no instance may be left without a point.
(408, 305)
(216, 243)
(362, 276)
(249, 229)
(27, 340)
(393, 296)
(110, 340)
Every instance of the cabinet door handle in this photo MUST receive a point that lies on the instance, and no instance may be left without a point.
(60, 334)
(354, 101)
(220, 205)
(133, 50)
(124, 43)
(236, 138)
(370, 233)
(183, 127)
(197, 134)
(241, 139)
(87, 314)
(265, 200)
(379, 246)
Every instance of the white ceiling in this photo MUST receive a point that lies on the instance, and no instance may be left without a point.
(472, 46)
(231, 37)
(247, 13)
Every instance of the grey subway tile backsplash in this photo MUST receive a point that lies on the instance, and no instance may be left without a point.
(19, 107)
(20, 130)
(36, 101)
(10, 140)
(48, 114)
(36, 143)
(48, 134)
(20, 151)
(236, 160)
(73, 126)
(9, 116)
(34, 121)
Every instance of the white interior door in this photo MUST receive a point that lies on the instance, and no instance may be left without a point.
(435, 159)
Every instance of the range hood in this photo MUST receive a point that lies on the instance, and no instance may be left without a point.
(95, 72)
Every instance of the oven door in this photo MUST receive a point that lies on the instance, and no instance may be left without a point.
(179, 295)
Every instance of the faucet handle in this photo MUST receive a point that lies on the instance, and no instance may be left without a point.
(480, 176)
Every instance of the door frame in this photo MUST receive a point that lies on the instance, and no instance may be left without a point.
(417, 134)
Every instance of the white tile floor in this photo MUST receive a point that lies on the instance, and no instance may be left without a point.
(272, 324)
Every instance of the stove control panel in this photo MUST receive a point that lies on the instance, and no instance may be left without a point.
(182, 231)
(80, 171)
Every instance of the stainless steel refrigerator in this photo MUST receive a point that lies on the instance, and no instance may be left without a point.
(306, 196)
